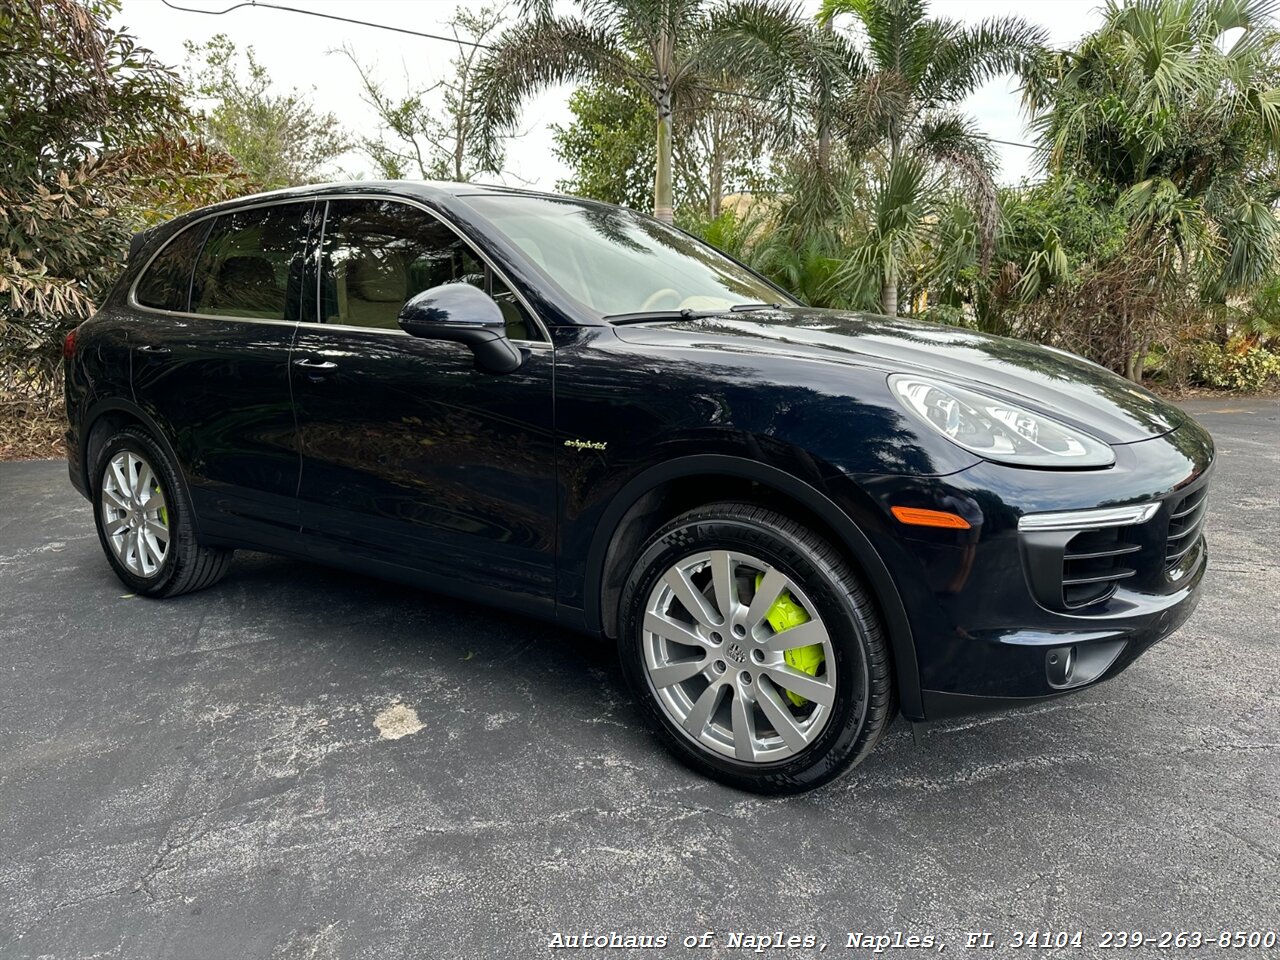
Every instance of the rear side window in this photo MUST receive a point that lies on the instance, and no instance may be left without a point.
(252, 264)
(166, 284)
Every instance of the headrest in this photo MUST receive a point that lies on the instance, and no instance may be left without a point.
(246, 271)
(377, 280)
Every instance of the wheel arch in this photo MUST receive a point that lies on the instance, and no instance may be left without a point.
(655, 495)
(110, 414)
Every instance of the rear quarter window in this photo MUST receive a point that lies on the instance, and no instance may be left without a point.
(166, 282)
(251, 265)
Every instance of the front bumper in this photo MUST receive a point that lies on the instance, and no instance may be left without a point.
(992, 623)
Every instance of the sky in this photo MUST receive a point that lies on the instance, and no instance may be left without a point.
(295, 49)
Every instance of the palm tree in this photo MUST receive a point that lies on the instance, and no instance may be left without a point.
(675, 51)
(1175, 106)
(901, 103)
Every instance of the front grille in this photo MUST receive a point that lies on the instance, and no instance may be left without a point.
(1093, 562)
(1186, 522)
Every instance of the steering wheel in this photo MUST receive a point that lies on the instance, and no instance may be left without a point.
(657, 297)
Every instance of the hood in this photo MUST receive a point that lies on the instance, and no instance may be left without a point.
(1056, 383)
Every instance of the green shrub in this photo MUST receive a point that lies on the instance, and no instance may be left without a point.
(1240, 365)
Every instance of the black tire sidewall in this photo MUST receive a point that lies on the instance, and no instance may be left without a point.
(137, 441)
(840, 740)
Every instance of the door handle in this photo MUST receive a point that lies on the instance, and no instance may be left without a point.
(152, 349)
(316, 368)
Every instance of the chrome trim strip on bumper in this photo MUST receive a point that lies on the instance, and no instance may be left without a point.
(1088, 519)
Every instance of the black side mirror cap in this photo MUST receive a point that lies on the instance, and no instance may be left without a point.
(461, 313)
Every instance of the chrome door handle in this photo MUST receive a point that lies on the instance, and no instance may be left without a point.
(316, 366)
(152, 349)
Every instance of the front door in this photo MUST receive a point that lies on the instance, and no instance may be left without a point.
(214, 323)
(411, 456)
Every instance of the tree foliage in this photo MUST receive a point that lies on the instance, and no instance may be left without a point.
(673, 51)
(900, 101)
(92, 127)
(419, 138)
(720, 146)
(1172, 108)
(278, 139)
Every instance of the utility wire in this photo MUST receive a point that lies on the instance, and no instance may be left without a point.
(328, 16)
(481, 46)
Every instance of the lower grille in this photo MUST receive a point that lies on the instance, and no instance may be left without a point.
(1186, 523)
(1093, 562)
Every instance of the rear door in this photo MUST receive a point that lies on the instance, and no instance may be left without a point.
(411, 457)
(216, 314)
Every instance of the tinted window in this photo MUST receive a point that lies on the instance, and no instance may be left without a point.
(614, 261)
(379, 253)
(251, 265)
(166, 284)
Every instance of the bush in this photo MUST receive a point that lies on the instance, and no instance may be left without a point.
(1240, 365)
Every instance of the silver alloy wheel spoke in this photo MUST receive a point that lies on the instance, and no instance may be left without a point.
(669, 629)
(143, 485)
(801, 684)
(776, 711)
(744, 727)
(708, 634)
(804, 635)
(677, 672)
(135, 514)
(705, 705)
(726, 588)
(689, 596)
(114, 499)
(767, 594)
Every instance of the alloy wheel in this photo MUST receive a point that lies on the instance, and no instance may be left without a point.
(738, 657)
(135, 514)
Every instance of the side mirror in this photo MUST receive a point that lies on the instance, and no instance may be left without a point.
(463, 314)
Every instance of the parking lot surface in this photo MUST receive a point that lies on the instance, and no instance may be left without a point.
(303, 763)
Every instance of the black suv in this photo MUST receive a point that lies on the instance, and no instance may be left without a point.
(794, 522)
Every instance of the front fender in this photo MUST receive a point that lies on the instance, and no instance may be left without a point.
(812, 498)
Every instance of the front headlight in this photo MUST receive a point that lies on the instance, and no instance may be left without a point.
(996, 429)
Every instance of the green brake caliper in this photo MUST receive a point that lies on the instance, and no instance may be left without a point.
(164, 511)
(783, 615)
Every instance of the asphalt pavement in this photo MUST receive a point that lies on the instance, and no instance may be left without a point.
(301, 763)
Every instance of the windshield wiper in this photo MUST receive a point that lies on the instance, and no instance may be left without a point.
(645, 316)
(688, 313)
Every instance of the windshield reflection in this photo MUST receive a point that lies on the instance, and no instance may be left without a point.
(616, 262)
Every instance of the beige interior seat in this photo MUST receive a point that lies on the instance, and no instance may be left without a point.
(375, 291)
(246, 287)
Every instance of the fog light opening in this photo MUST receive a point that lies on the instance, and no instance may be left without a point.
(1060, 665)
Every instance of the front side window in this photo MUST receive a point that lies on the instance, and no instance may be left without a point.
(252, 264)
(616, 262)
(166, 284)
(377, 254)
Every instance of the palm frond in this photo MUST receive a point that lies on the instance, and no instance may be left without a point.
(954, 142)
(776, 53)
(962, 61)
(540, 53)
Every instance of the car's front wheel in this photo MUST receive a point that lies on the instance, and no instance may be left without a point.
(145, 522)
(755, 649)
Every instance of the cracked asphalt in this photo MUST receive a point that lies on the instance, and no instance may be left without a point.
(208, 777)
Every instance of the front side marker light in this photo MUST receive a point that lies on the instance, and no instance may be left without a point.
(917, 517)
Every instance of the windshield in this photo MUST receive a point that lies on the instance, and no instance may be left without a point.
(616, 262)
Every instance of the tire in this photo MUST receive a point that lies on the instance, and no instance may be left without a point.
(816, 740)
(160, 567)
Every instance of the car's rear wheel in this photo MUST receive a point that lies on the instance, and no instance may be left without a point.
(754, 649)
(145, 522)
